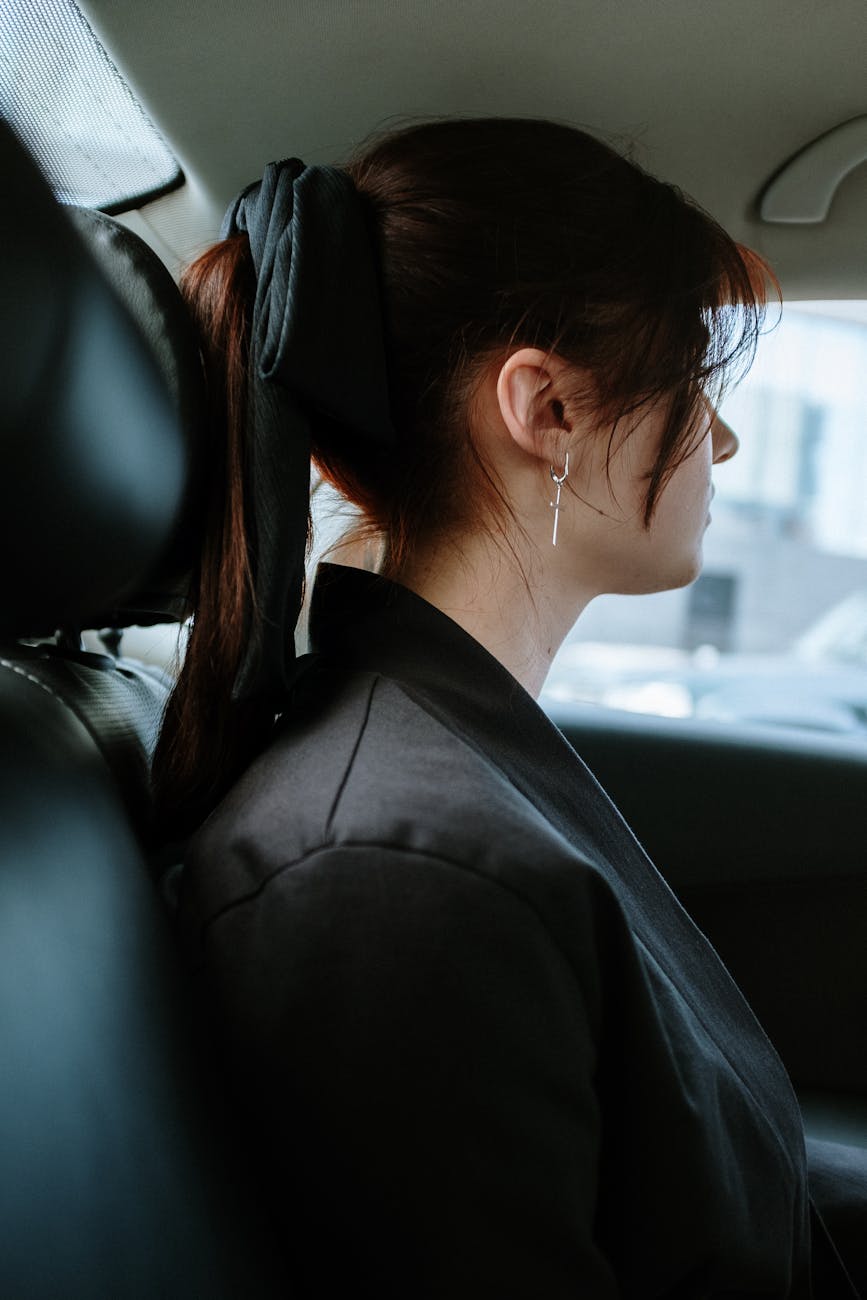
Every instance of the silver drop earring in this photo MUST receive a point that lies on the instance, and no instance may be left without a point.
(559, 479)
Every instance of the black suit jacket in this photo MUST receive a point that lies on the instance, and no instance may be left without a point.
(483, 1048)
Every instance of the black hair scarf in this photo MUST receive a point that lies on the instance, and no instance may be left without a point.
(317, 356)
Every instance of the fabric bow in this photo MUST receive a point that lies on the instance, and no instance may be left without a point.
(317, 360)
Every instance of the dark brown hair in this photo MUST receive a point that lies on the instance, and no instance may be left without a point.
(490, 234)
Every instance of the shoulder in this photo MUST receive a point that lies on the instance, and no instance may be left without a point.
(371, 765)
(375, 800)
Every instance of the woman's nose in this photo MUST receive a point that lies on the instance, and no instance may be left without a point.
(725, 441)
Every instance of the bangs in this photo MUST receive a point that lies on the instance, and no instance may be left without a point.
(735, 320)
(686, 338)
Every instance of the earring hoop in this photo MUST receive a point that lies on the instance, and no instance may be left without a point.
(559, 480)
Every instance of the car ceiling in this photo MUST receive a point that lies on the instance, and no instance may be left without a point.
(713, 96)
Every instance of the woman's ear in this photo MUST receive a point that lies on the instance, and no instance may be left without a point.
(532, 400)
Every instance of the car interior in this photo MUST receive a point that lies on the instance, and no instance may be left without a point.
(122, 1172)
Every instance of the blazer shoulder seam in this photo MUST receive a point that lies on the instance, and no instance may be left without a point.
(371, 845)
(347, 772)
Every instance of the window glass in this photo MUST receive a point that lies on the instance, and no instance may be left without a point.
(775, 629)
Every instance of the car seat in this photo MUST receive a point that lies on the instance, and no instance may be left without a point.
(120, 1171)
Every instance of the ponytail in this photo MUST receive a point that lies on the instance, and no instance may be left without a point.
(288, 312)
(207, 736)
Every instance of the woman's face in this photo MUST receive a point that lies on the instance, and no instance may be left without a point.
(611, 548)
(528, 417)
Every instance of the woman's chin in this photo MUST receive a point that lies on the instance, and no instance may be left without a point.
(675, 578)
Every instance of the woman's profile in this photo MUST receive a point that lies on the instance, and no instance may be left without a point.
(480, 1046)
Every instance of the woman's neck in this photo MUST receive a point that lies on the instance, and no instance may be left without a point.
(500, 598)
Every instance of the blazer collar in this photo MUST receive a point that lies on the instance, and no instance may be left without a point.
(362, 621)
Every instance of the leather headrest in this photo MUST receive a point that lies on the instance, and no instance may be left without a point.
(101, 407)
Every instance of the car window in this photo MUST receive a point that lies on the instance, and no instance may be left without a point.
(775, 629)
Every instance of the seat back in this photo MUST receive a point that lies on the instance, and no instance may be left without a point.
(119, 1164)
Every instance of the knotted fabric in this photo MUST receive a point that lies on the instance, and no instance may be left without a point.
(317, 358)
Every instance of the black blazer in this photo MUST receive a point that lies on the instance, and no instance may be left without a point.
(484, 1049)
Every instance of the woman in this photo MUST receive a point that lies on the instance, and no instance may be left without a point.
(484, 1050)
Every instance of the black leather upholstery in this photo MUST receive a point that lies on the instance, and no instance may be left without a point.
(112, 1180)
(117, 1178)
(150, 296)
(94, 470)
(118, 702)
